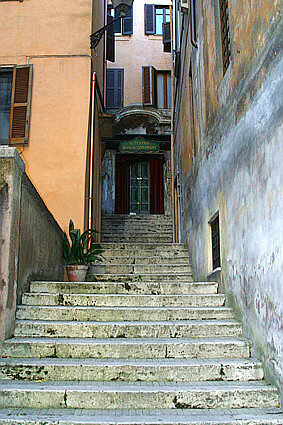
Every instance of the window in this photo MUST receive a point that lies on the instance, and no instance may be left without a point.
(123, 26)
(156, 87)
(225, 37)
(215, 241)
(114, 88)
(15, 98)
(155, 17)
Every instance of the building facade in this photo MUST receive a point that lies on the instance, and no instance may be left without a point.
(136, 163)
(50, 103)
(228, 71)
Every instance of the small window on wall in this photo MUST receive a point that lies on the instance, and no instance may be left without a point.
(15, 99)
(225, 36)
(123, 26)
(114, 88)
(155, 17)
(215, 242)
(156, 87)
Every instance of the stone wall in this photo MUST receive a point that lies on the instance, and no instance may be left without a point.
(236, 170)
(31, 240)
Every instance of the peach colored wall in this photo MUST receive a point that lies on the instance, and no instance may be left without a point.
(137, 50)
(59, 125)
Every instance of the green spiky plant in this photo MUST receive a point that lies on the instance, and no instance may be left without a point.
(83, 248)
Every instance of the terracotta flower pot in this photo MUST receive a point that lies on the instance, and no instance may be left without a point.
(76, 273)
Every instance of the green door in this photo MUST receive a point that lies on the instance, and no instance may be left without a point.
(139, 187)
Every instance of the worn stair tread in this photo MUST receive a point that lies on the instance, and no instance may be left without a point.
(138, 288)
(205, 322)
(135, 387)
(252, 416)
(132, 362)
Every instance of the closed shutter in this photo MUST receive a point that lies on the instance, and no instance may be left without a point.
(127, 23)
(20, 105)
(149, 86)
(110, 47)
(167, 37)
(149, 18)
(115, 88)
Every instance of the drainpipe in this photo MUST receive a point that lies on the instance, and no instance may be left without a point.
(91, 150)
(172, 134)
(105, 57)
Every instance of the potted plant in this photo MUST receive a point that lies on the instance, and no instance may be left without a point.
(79, 252)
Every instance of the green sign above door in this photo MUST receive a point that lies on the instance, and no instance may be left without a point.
(139, 145)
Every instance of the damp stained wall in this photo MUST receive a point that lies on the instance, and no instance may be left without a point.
(232, 164)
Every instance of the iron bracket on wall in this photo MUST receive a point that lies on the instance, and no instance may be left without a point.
(97, 35)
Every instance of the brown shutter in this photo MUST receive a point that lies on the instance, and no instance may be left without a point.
(149, 86)
(20, 105)
(167, 37)
(149, 19)
(110, 44)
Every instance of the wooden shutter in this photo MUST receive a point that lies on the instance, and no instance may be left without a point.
(110, 46)
(20, 105)
(127, 23)
(149, 86)
(167, 37)
(115, 88)
(149, 18)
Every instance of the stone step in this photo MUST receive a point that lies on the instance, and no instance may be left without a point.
(150, 288)
(137, 348)
(140, 277)
(140, 268)
(144, 370)
(154, 329)
(136, 238)
(117, 395)
(121, 313)
(252, 416)
(123, 300)
(145, 260)
(168, 248)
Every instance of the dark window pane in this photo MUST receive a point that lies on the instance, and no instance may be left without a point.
(6, 81)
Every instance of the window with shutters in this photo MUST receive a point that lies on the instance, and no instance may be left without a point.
(114, 88)
(215, 241)
(15, 99)
(123, 26)
(156, 88)
(154, 18)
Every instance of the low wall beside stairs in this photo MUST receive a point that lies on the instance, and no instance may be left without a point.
(30, 238)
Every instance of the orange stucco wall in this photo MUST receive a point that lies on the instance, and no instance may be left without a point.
(54, 37)
(137, 50)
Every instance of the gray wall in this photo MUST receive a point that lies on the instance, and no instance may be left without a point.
(31, 240)
(238, 171)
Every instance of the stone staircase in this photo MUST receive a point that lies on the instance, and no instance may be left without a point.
(139, 343)
(136, 228)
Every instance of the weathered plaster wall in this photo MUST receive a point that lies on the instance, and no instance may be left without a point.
(237, 170)
(30, 238)
(108, 182)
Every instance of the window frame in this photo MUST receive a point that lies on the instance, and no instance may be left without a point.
(215, 241)
(150, 18)
(20, 103)
(121, 22)
(117, 105)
